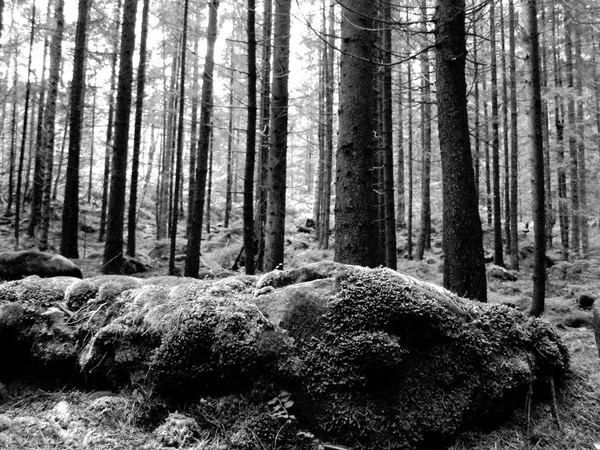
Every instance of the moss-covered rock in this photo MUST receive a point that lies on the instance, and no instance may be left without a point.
(406, 364)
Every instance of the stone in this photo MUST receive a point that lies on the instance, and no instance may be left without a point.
(16, 265)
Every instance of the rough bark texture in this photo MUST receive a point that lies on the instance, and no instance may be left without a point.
(192, 257)
(514, 142)
(277, 165)
(113, 249)
(354, 211)
(70, 218)
(464, 269)
(137, 133)
(250, 142)
(531, 41)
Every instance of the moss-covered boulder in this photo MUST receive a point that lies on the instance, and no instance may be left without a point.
(398, 363)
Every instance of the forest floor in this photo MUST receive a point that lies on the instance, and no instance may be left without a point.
(30, 418)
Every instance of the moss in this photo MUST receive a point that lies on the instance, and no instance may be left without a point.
(79, 293)
(406, 364)
(223, 346)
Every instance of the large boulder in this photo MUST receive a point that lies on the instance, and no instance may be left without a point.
(394, 362)
(15, 265)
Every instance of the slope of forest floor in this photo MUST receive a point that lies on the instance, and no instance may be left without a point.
(29, 416)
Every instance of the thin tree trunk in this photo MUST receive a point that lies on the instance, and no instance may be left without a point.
(409, 168)
(24, 133)
(92, 148)
(495, 142)
(265, 120)
(70, 218)
(108, 149)
(277, 164)
(49, 118)
(192, 257)
(581, 153)
(505, 134)
(514, 151)
(250, 143)
(229, 181)
(113, 249)
(531, 41)
(193, 139)
(137, 133)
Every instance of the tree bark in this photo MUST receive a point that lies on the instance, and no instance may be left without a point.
(531, 41)
(514, 141)
(113, 249)
(70, 218)
(354, 210)
(192, 257)
(277, 165)
(250, 142)
(464, 268)
(137, 132)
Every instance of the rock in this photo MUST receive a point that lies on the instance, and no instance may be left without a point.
(596, 324)
(500, 273)
(61, 414)
(388, 346)
(16, 265)
(585, 301)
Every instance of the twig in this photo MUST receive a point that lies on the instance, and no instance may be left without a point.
(554, 404)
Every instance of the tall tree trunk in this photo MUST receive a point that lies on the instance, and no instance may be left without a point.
(572, 137)
(277, 163)
(39, 169)
(92, 147)
(559, 123)
(113, 249)
(531, 41)
(108, 149)
(514, 142)
(581, 153)
(354, 210)
(192, 257)
(505, 133)
(495, 141)
(401, 201)
(265, 119)
(137, 132)
(24, 133)
(424, 240)
(193, 139)
(50, 116)
(464, 267)
(70, 218)
(388, 142)
(409, 168)
(229, 181)
(180, 133)
(250, 142)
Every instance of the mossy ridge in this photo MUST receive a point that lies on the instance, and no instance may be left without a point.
(448, 362)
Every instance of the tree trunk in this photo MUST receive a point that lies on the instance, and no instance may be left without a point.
(277, 165)
(505, 134)
(401, 201)
(137, 133)
(108, 149)
(354, 210)
(70, 218)
(113, 249)
(514, 142)
(50, 116)
(388, 142)
(581, 167)
(409, 168)
(192, 257)
(24, 134)
(424, 240)
(179, 151)
(572, 137)
(531, 41)
(250, 142)
(193, 139)
(495, 141)
(229, 181)
(464, 267)
(265, 118)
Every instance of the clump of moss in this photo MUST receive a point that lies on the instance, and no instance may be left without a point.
(223, 345)
(79, 293)
(406, 364)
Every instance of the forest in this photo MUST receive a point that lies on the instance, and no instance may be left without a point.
(350, 224)
(196, 114)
